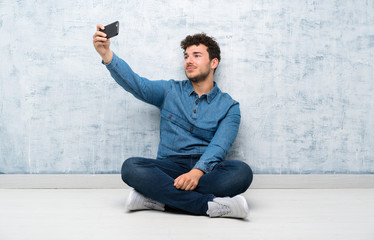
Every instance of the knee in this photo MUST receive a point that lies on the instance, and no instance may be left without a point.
(232, 177)
(244, 175)
(247, 174)
(127, 169)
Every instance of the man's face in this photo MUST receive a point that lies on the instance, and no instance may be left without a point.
(197, 65)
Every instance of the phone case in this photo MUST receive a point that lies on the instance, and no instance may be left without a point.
(111, 30)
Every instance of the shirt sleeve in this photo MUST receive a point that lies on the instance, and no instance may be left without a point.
(152, 92)
(222, 141)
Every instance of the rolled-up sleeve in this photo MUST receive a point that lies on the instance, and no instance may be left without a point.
(152, 92)
(222, 141)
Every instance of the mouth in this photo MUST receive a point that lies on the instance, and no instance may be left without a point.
(190, 68)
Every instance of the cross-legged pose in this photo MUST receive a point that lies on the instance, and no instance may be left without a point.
(198, 125)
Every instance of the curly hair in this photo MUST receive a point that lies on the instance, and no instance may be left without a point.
(201, 38)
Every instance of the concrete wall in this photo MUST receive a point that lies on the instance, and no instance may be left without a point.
(303, 72)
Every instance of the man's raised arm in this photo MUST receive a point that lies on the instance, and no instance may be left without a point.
(102, 44)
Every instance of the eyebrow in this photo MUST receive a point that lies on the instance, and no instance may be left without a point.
(194, 53)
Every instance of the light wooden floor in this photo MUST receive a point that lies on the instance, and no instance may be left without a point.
(38, 214)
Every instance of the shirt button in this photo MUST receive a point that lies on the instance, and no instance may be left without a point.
(191, 129)
(197, 102)
(169, 116)
(194, 111)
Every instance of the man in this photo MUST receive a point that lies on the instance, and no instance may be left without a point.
(198, 125)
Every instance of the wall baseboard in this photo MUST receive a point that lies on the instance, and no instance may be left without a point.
(113, 181)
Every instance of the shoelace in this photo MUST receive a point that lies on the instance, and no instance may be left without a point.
(149, 203)
(225, 210)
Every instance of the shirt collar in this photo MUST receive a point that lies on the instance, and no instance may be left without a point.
(209, 97)
(189, 87)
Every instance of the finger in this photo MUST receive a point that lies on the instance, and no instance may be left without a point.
(193, 186)
(185, 185)
(100, 27)
(107, 42)
(190, 187)
(100, 39)
(99, 34)
(178, 183)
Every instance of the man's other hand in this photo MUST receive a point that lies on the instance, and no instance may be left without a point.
(102, 44)
(188, 181)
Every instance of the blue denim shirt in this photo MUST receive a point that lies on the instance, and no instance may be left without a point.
(190, 125)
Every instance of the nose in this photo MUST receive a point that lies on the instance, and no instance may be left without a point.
(188, 60)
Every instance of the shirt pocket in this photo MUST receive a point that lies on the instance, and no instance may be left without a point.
(204, 134)
(182, 136)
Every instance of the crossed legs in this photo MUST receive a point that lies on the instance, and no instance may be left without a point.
(155, 179)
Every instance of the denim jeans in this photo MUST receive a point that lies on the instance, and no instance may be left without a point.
(154, 179)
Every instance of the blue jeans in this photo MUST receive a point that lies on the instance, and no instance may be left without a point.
(155, 179)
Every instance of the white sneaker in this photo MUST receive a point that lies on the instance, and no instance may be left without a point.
(137, 201)
(235, 207)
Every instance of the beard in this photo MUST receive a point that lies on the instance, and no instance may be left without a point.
(198, 78)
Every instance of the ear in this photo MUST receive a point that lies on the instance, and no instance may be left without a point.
(214, 63)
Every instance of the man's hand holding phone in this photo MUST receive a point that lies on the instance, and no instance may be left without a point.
(101, 40)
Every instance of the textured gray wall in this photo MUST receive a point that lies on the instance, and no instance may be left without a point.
(302, 71)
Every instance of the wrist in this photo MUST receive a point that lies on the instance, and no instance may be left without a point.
(107, 57)
(197, 172)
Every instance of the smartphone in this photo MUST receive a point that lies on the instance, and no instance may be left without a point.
(111, 30)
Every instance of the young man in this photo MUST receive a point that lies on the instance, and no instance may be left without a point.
(199, 123)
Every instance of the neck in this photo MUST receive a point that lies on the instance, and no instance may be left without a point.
(203, 87)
